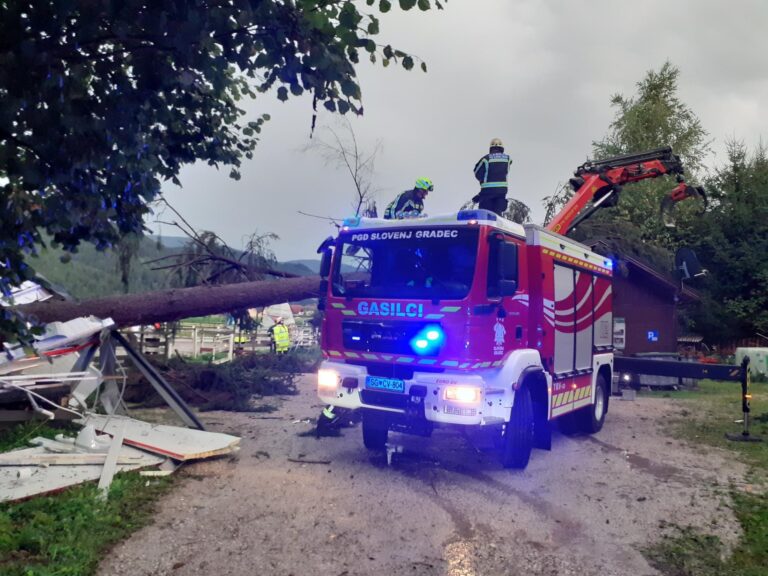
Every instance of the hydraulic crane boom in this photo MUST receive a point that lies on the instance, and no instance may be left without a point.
(600, 182)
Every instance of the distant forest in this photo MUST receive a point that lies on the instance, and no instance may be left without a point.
(94, 274)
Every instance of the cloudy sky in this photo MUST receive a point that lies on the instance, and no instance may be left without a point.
(538, 74)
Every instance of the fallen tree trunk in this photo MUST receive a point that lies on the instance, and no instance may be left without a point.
(177, 303)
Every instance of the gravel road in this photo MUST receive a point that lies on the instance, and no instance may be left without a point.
(444, 507)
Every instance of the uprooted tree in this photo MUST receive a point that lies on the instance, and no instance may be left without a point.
(176, 303)
(101, 101)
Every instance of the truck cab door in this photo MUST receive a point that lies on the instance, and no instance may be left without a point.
(503, 284)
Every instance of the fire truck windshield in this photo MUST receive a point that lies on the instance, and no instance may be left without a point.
(429, 263)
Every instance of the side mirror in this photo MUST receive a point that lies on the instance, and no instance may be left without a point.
(325, 263)
(325, 244)
(321, 301)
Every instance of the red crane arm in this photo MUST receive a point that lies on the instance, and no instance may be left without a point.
(599, 185)
(600, 182)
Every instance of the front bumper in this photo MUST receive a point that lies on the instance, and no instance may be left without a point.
(425, 388)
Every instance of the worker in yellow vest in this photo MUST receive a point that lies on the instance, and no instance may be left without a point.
(281, 339)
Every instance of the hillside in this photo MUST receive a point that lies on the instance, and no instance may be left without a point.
(92, 274)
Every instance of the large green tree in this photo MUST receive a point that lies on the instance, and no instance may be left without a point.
(651, 118)
(102, 100)
(730, 237)
(731, 240)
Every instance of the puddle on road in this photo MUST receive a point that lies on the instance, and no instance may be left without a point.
(458, 556)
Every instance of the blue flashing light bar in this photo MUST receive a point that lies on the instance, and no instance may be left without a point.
(609, 264)
(428, 340)
(476, 215)
(352, 222)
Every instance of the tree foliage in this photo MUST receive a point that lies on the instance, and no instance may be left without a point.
(731, 240)
(102, 100)
(516, 211)
(654, 117)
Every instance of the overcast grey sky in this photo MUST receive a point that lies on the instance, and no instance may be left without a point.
(538, 74)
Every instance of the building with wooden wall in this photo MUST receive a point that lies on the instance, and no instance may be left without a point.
(645, 305)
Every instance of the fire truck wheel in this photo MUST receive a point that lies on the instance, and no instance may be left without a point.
(592, 417)
(518, 435)
(375, 430)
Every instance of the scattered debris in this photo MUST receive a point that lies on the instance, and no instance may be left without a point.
(110, 465)
(18, 483)
(174, 441)
(392, 449)
(155, 473)
(302, 461)
(38, 386)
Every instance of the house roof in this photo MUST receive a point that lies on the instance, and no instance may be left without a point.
(663, 280)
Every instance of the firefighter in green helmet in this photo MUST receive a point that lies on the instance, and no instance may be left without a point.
(411, 202)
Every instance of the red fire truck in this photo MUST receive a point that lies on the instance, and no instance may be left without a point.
(469, 319)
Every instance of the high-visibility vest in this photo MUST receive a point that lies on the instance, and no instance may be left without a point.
(404, 203)
(282, 338)
(491, 170)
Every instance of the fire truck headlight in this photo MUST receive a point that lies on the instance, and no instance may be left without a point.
(463, 394)
(327, 380)
(626, 377)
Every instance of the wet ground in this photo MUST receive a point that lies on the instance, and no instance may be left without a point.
(291, 504)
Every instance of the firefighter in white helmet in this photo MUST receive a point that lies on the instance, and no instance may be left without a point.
(491, 172)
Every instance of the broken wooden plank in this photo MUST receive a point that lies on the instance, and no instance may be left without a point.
(155, 473)
(173, 441)
(300, 461)
(72, 459)
(54, 445)
(110, 464)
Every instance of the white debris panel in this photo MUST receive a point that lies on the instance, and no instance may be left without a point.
(62, 359)
(29, 475)
(172, 441)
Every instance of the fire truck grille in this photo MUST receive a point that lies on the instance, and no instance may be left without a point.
(385, 399)
(384, 337)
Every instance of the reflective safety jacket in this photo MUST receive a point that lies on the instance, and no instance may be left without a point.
(491, 170)
(405, 202)
(282, 338)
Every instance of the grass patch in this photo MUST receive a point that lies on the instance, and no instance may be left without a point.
(712, 411)
(68, 533)
(689, 552)
(706, 415)
(19, 436)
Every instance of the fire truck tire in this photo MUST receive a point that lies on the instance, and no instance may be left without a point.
(375, 430)
(518, 433)
(592, 417)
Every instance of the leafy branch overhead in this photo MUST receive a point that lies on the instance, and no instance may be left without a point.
(102, 100)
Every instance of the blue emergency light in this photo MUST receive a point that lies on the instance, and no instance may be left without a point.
(428, 340)
(476, 215)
